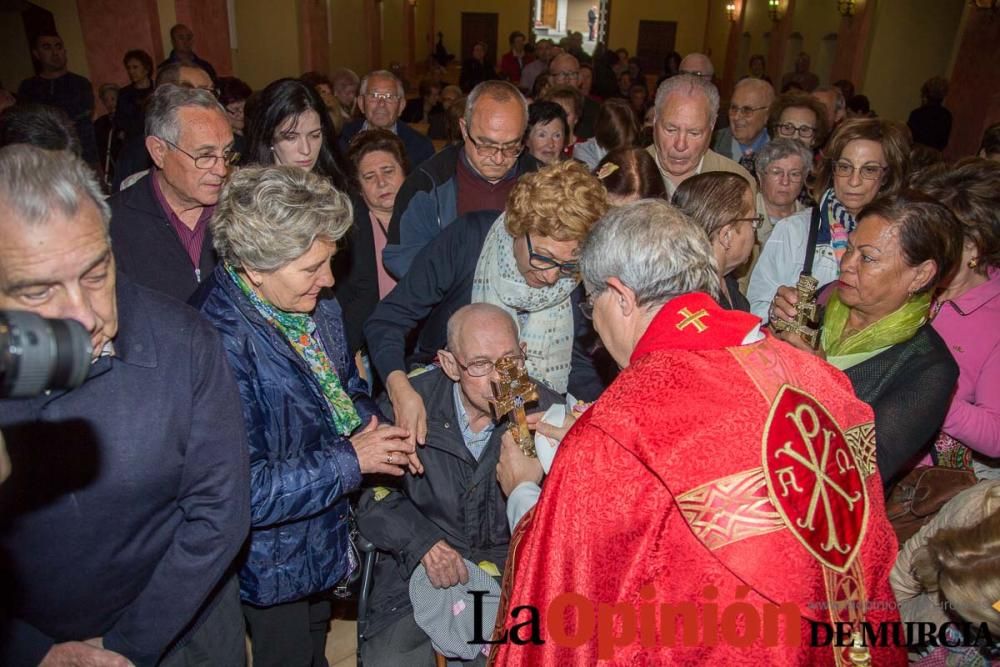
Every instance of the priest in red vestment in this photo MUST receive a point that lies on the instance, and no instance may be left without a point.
(719, 504)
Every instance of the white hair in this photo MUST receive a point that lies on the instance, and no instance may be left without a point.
(382, 74)
(35, 181)
(688, 84)
(167, 100)
(653, 249)
(779, 149)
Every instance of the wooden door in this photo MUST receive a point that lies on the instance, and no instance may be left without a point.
(656, 41)
(549, 13)
(480, 27)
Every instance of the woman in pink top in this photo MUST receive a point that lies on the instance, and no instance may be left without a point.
(380, 166)
(966, 313)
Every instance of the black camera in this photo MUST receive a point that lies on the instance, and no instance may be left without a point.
(37, 354)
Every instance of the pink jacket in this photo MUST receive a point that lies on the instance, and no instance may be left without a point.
(970, 325)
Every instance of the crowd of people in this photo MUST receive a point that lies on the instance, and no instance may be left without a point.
(764, 340)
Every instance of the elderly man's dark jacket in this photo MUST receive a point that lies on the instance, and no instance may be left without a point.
(147, 247)
(418, 147)
(457, 499)
(129, 497)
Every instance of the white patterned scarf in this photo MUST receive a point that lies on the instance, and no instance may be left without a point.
(545, 314)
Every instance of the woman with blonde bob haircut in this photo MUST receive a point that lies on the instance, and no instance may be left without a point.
(524, 261)
(310, 422)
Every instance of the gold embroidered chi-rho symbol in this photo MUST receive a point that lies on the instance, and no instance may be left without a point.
(692, 319)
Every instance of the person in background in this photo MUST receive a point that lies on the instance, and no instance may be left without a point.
(616, 128)
(345, 89)
(420, 109)
(39, 125)
(564, 70)
(130, 112)
(699, 65)
(723, 205)
(547, 133)
(289, 125)
(876, 323)
(543, 54)
(989, 147)
(543, 83)
(379, 161)
(233, 96)
(587, 82)
(513, 62)
(629, 174)
(324, 88)
(798, 116)
(592, 16)
(571, 100)
(783, 166)
(747, 131)
(833, 100)
(801, 76)
(443, 124)
(624, 85)
(182, 40)
(930, 123)
(860, 106)
(312, 428)
(621, 61)
(758, 68)
(845, 87)
(966, 313)
(476, 69)
(56, 86)
(107, 133)
(866, 159)
(638, 100)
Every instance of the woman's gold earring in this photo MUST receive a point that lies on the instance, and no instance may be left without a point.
(973, 263)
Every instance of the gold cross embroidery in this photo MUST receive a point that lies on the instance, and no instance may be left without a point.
(692, 318)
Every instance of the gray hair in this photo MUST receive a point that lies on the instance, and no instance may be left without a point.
(779, 149)
(34, 182)
(382, 74)
(498, 91)
(688, 84)
(839, 103)
(270, 216)
(167, 100)
(654, 249)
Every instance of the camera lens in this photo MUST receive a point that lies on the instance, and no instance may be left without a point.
(37, 354)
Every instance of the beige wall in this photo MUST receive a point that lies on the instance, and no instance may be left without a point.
(15, 52)
(690, 16)
(393, 37)
(350, 45)
(814, 21)
(68, 24)
(513, 15)
(167, 11)
(268, 41)
(912, 40)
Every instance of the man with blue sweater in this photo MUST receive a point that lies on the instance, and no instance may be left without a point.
(129, 498)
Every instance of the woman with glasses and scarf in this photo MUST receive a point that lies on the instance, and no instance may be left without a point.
(722, 203)
(523, 261)
(868, 158)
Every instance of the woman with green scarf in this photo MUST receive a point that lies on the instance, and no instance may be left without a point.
(312, 429)
(876, 326)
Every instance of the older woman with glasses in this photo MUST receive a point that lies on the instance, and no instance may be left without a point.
(723, 205)
(800, 117)
(523, 261)
(868, 158)
(783, 166)
(312, 429)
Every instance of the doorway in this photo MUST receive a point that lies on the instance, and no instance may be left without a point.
(480, 27)
(556, 19)
(656, 41)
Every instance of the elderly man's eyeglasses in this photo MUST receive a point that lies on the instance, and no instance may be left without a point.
(703, 75)
(587, 305)
(228, 158)
(794, 176)
(491, 150)
(869, 172)
(744, 112)
(546, 263)
(755, 222)
(382, 97)
(790, 130)
(574, 75)
(483, 367)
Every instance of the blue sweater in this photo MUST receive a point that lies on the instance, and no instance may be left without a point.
(129, 497)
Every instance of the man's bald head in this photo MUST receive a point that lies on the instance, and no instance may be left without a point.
(469, 322)
(698, 64)
(564, 70)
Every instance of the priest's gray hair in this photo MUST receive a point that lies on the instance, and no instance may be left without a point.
(653, 249)
(35, 182)
(270, 216)
(688, 85)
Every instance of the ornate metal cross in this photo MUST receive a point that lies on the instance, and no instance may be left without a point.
(806, 313)
(510, 394)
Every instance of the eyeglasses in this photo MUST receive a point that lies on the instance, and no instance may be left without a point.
(869, 172)
(382, 97)
(545, 263)
(744, 112)
(483, 367)
(207, 161)
(491, 150)
(587, 305)
(794, 176)
(789, 130)
(565, 75)
(703, 75)
(755, 222)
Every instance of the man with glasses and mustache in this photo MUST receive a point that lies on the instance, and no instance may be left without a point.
(454, 515)
(382, 100)
(475, 175)
(159, 226)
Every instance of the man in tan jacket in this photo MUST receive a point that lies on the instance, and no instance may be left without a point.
(686, 109)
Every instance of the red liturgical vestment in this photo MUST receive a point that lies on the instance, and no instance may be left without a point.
(718, 505)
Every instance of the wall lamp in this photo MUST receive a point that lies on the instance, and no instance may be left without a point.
(731, 11)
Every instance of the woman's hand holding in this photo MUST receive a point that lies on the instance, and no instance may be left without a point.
(783, 304)
(382, 449)
(410, 412)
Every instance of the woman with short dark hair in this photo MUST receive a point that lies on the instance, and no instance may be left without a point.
(547, 132)
(289, 124)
